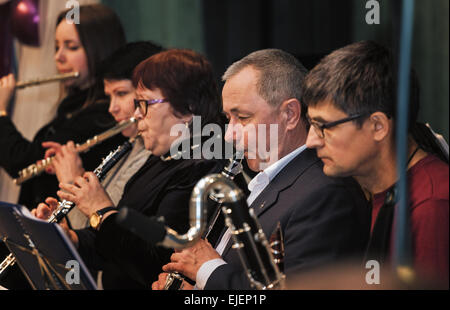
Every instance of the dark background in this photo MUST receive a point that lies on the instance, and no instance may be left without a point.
(227, 30)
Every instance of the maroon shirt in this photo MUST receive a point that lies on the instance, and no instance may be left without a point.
(428, 181)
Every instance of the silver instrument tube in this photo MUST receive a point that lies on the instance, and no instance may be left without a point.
(247, 235)
(207, 186)
(174, 280)
(55, 78)
(220, 188)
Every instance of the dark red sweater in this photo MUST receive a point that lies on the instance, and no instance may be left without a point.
(428, 181)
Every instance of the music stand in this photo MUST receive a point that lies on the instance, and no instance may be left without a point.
(43, 252)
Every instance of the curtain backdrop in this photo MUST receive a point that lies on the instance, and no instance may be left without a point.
(171, 23)
(226, 30)
(430, 53)
(306, 29)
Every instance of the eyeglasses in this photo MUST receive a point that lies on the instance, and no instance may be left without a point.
(142, 104)
(320, 127)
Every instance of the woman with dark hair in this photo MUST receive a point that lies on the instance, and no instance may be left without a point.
(100, 33)
(82, 114)
(171, 88)
(117, 72)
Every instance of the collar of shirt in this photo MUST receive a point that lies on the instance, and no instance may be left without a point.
(262, 179)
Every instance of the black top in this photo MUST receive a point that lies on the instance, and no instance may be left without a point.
(158, 189)
(72, 122)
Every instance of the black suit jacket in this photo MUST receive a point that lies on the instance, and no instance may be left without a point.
(323, 220)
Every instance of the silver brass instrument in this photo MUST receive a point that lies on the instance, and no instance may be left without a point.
(58, 77)
(36, 169)
(174, 280)
(247, 235)
(65, 206)
(218, 185)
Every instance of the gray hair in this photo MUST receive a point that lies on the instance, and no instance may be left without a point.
(281, 75)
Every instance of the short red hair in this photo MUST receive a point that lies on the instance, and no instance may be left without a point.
(186, 79)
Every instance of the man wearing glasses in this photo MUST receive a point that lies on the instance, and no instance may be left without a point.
(351, 109)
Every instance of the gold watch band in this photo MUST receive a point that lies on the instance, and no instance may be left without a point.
(3, 113)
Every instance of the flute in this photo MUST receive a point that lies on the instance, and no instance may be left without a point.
(39, 81)
(36, 169)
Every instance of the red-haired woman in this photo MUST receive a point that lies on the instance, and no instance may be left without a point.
(171, 88)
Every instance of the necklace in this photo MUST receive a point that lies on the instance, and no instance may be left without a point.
(391, 195)
(412, 155)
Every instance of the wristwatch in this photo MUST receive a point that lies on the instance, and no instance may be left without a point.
(96, 218)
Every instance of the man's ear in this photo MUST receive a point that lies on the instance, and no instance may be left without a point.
(381, 125)
(291, 111)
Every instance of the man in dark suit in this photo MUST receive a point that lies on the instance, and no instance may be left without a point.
(323, 220)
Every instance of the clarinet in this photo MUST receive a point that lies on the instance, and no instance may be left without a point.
(113, 157)
(65, 206)
(174, 280)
